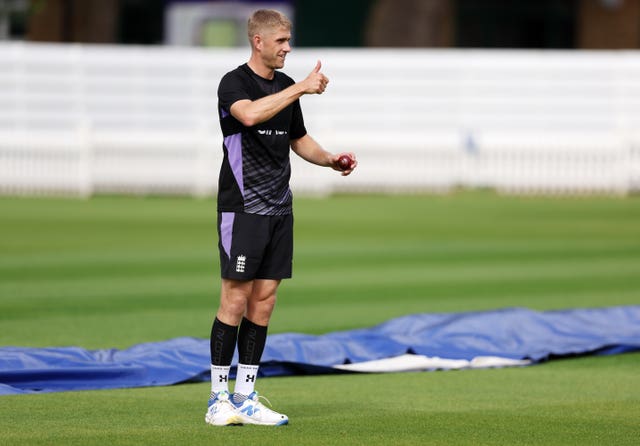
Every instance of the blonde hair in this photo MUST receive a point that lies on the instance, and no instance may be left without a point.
(266, 19)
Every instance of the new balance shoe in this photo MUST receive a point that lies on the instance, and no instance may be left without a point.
(221, 411)
(252, 411)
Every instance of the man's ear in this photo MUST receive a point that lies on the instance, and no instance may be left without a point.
(257, 42)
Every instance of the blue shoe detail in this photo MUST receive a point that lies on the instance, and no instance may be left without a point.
(252, 411)
(241, 402)
(219, 395)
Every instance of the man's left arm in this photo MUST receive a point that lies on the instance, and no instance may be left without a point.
(308, 149)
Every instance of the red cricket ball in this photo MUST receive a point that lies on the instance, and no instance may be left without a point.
(344, 162)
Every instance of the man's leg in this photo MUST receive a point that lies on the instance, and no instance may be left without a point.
(234, 296)
(252, 338)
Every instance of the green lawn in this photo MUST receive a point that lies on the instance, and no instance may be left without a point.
(587, 401)
(115, 271)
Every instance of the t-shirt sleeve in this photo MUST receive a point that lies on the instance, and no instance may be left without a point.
(231, 89)
(297, 129)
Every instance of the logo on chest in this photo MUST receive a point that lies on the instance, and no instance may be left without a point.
(270, 132)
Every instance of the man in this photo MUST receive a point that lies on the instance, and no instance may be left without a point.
(261, 121)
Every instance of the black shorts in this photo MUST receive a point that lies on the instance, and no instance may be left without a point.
(255, 246)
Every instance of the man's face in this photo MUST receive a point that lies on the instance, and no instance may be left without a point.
(275, 47)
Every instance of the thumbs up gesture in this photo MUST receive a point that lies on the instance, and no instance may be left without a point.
(315, 82)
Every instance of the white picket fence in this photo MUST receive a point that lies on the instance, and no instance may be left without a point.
(79, 120)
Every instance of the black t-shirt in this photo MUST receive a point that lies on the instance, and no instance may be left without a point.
(255, 171)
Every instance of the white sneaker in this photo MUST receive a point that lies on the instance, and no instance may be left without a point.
(252, 411)
(221, 411)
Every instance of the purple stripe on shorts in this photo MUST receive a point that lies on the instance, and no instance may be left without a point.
(223, 112)
(226, 231)
(233, 143)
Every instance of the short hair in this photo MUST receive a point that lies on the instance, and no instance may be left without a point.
(264, 19)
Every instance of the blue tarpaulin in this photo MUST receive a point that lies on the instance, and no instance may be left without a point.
(512, 334)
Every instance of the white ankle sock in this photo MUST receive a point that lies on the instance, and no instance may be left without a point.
(246, 379)
(219, 378)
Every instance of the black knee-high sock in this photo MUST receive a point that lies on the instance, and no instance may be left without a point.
(222, 343)
(251, 341)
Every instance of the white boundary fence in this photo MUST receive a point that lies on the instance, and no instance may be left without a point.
(78, 120)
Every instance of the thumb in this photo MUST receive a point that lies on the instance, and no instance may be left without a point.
(317, 68)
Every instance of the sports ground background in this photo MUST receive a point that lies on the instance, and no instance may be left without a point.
(111, 270)
(115, 271)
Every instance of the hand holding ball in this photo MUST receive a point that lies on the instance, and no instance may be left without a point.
(344, 162)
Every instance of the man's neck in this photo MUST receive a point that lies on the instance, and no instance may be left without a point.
(260, 69)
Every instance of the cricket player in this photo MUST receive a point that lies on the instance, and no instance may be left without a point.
(261, 121)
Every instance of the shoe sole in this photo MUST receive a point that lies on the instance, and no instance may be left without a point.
(231, 421)
(255, 423)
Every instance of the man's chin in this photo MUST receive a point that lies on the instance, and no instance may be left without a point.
(276, 64)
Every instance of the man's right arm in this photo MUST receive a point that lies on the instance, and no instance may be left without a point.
(250, 113)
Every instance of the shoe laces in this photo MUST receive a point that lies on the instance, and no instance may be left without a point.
(264, 398)
(256, 399)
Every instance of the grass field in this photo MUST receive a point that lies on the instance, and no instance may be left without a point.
(115, 271)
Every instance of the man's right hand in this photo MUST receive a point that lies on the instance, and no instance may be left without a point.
(316, 82)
